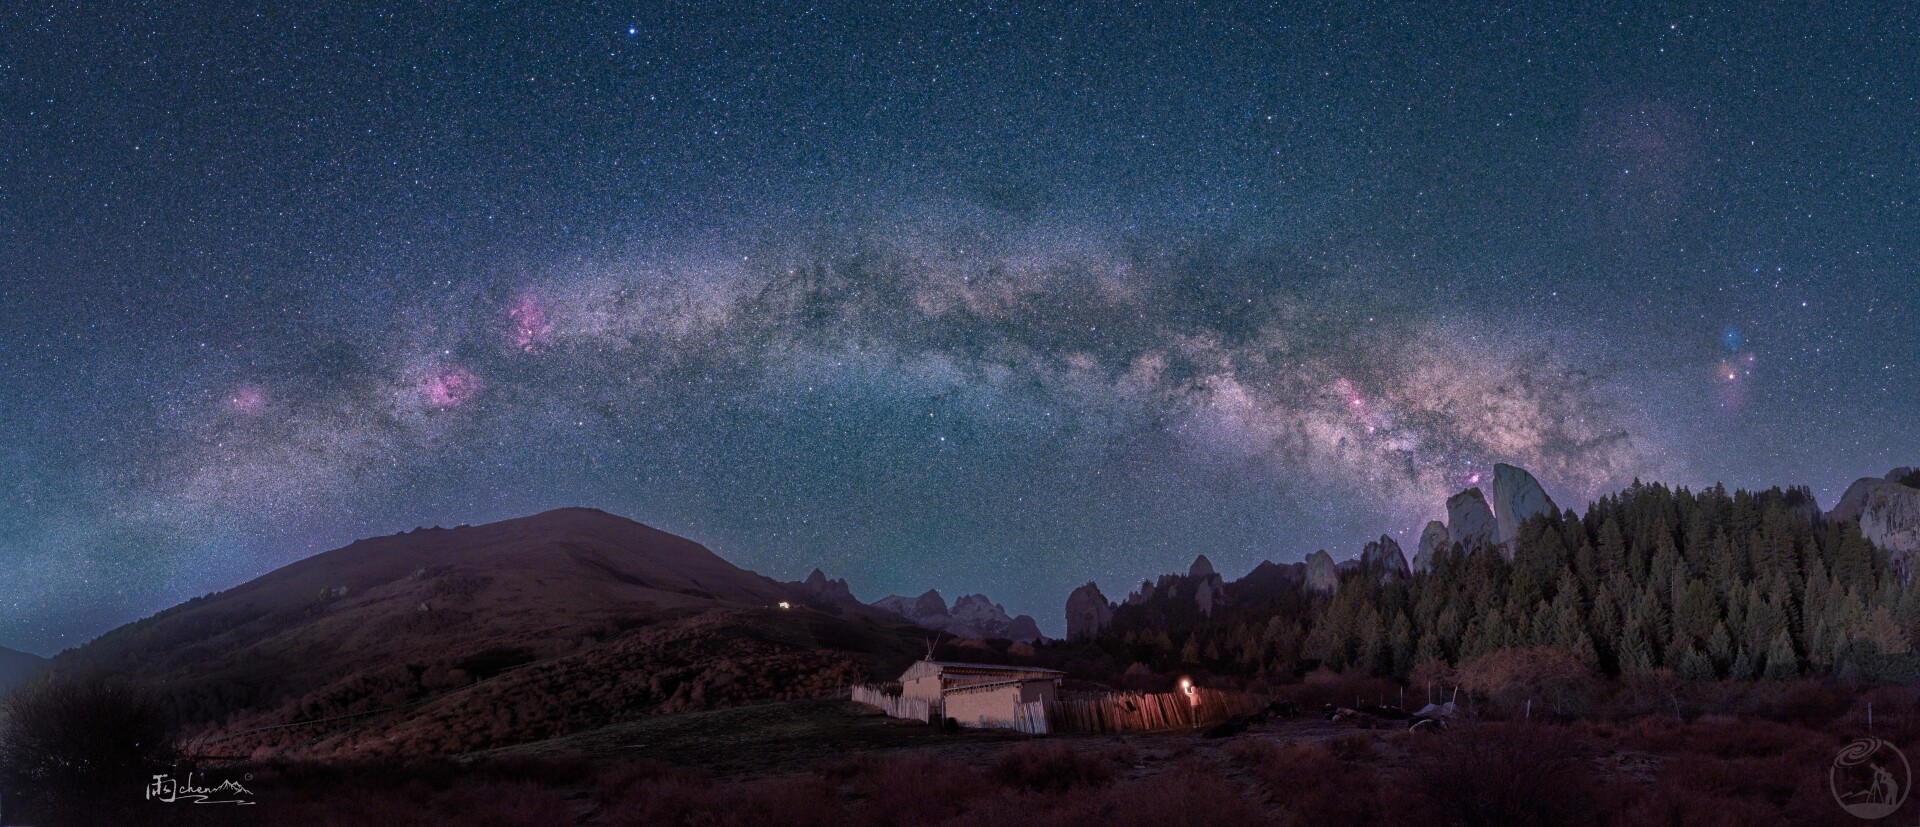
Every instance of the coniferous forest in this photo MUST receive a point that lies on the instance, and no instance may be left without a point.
(1650, 582)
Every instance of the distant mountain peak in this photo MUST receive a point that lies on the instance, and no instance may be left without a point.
(1201, 568)
(972, 616)
(17, 667)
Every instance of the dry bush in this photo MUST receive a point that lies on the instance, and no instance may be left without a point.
(1556, 681)
(1322, 687)
(1896, 713)
(1435, 673)
(916, 788)
(1693, 791)
(1311, 784)
(1252, 752)
(1804, 702)
(1500, 774)
(516, 804)
(83, 750)
(645, 795)
(1358, 746)
(1190, 795)
(1727, 737)
(1051, 767)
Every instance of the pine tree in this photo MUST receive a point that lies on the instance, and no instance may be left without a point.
(1631, 650)
(1693, 665)
(1743, 668)
(1782, 663)
(1400, 646)
(1611, 552)
(1720, 646)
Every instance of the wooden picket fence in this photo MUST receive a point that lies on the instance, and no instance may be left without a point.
(913, 709)
(1031, 718)
(1134, 712)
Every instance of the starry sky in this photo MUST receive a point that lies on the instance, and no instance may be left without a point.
(988, 297)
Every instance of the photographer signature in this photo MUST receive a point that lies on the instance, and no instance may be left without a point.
(167, 789)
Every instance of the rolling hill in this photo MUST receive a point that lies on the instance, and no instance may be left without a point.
(447, 640)
(16, 667)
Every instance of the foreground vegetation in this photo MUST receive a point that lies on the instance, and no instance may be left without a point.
(1761, 761)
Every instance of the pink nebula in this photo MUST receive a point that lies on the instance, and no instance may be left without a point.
(448, 387)
(530, 325)
(1347, 391)
(249, 399)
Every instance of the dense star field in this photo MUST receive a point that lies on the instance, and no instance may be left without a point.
(981, 297)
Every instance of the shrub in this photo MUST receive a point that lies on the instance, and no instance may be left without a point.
(1312, 784)
(1050, 767)
(1505, 774)
(1323, 687)
(84, 748)
(1190, 795)
(1554, 680)
(916, 788)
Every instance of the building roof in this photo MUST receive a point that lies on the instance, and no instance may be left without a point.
(930, 668)
(969, 687)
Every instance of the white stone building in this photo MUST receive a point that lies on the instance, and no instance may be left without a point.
(979, 694)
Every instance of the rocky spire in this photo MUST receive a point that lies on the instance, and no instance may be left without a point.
(1202, 567)
(1385, 555)
(1322, 575)
(1469, 521)
(1517, 498)
(1432, 540)
(1087, 612)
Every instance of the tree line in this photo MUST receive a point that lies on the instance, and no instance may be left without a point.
(1710, 585)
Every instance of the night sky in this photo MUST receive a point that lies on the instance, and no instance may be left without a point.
(984, 297)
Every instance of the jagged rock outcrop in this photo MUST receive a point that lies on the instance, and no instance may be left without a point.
(1143, 595)
(1384, 555)
(1469, 521)
(1432, 540)
(1517, 498)
(1270, 579)
(1210, 592)
(1890, 519)
(1201, 569)
(1854, 500)
(972, 616)
(929, 610)
(1023, 629)
(1168, 586)
(1322, 575)
(1087, 612)
(821, 590)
